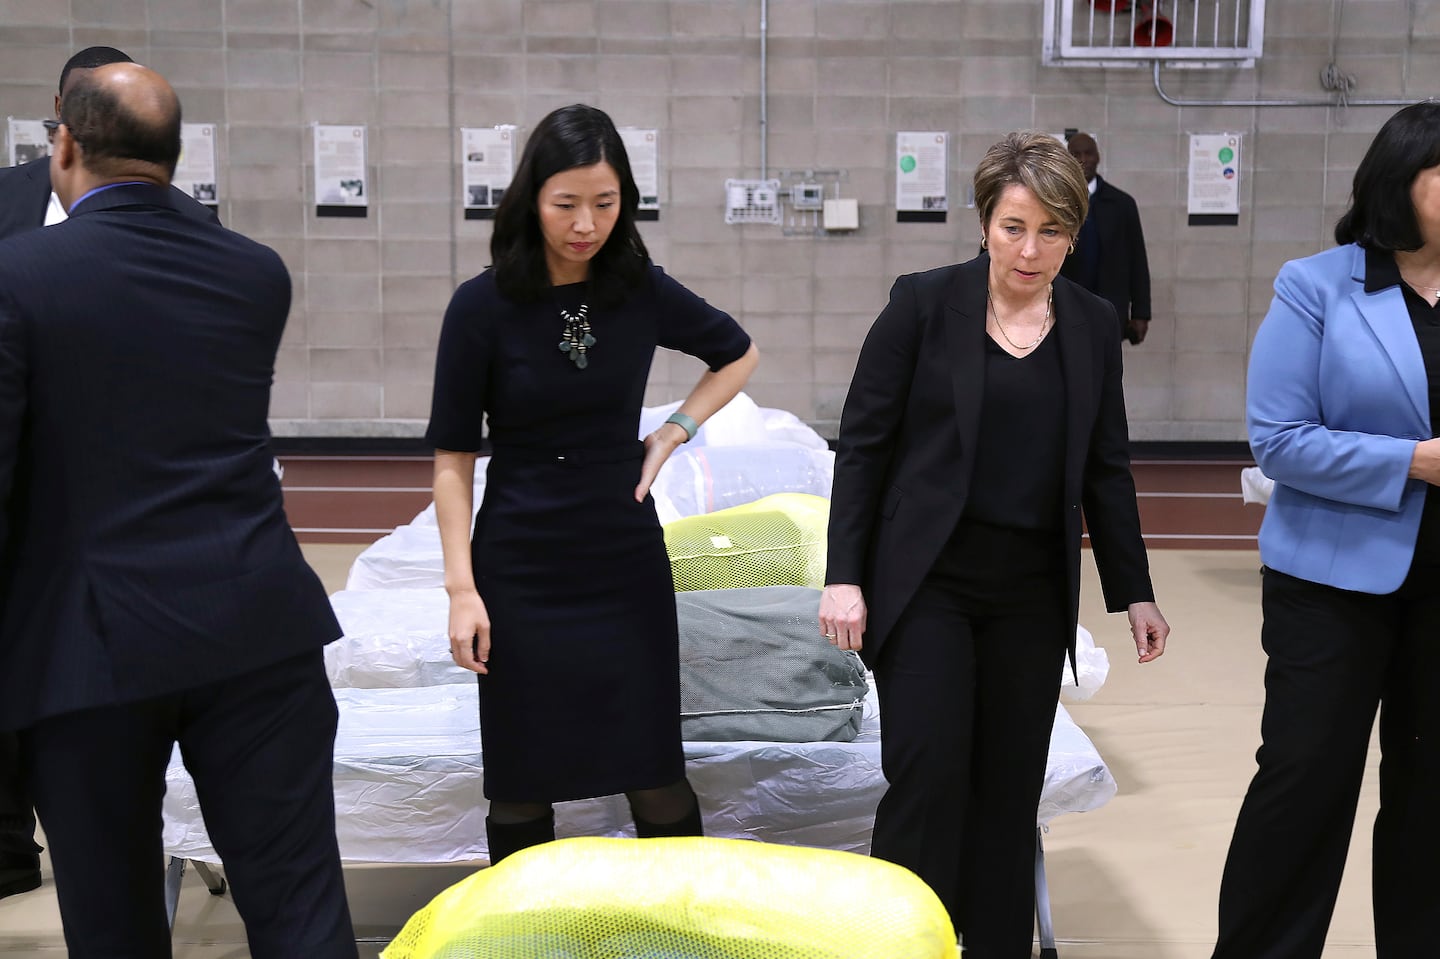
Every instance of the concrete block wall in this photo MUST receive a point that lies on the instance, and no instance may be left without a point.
(843, 76)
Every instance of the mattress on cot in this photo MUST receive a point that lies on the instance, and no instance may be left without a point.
(408, 784)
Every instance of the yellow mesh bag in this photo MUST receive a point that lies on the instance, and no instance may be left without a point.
(687, 898)
(778, 540)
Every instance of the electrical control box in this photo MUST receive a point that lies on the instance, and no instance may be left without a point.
(807, 196)
(752, 201)
(842, 214)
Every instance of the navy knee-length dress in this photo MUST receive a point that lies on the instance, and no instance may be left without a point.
(582, 697)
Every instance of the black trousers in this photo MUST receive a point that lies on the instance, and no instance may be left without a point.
(17, 819)
(968, 681)
(1334, 656)
(260, 749)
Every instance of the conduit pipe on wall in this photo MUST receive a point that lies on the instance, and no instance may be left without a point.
(1279, 101)
(764, 118)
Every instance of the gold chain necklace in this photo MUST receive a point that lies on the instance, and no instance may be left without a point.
(1044, 324)
(1421, 286)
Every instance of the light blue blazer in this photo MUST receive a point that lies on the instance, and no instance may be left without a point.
(1336, 401)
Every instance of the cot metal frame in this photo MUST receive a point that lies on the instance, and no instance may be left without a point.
(215, 882)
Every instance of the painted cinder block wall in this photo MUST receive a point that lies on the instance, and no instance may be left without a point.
(843, 77)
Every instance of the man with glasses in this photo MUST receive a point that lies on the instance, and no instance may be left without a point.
(163, 599)
(27, 202)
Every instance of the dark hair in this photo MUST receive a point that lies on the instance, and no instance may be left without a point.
(570, 137)
(112, 136)
(89, 59)
(1381, 214)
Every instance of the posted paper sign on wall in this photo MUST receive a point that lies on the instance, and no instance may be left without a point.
(1214, 192)
(340, 187)
(195, 172)
(487, 164)
(642, 149)
(29, 140)
(920, 194)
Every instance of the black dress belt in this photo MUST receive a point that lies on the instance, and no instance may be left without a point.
(584, 456)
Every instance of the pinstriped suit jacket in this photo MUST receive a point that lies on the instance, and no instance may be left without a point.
(145, 545)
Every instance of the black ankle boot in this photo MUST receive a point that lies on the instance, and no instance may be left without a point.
(511, 837)
(687, 825)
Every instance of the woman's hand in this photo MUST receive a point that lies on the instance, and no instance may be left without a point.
(658, 447)
(469, 631)
(1149, 629)
(842, 615)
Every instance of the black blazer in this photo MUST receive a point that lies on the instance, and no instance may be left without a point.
(905, 453)
(1123, 272)
(145, 545)
(25, 195)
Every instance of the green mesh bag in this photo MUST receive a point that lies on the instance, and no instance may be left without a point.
(689, 898)
(778, 540)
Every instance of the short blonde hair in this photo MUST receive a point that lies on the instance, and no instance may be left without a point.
(1041, 164)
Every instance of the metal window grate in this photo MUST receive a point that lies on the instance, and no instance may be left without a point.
(1198, 33)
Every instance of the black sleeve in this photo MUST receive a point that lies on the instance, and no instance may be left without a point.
(1139, 265)
(1108, 491)
(462, 372)
(869, 425)
(689, 324)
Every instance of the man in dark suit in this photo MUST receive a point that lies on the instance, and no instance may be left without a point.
(1109, 258)
(151, 591)
(26, 203)
(26, 200)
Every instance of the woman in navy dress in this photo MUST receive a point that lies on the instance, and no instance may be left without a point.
(563, 602)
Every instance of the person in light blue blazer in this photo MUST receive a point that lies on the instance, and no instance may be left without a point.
(1342, 403)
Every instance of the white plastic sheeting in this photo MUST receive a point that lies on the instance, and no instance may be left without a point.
(408, 776)
(710, 478)
(740, 423)
(1255, 486)
(1094, 666)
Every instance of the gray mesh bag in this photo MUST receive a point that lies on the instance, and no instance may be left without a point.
(754, 667)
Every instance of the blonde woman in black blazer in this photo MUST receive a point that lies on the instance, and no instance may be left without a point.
(986, 412)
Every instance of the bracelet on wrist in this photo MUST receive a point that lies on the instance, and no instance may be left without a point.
(686, 423)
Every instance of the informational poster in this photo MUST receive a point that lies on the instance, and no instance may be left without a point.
(920, 177)
(1214, 190)
(28, 140)
(487, 163)
(642, 147)
(195, 173)
(340, 185)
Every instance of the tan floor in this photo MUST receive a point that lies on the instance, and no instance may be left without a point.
(1136, 879)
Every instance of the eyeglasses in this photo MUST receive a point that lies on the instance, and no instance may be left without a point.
(52, 125)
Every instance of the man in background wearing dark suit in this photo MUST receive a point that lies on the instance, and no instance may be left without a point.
(1109, 258)
(26, 200)
(27, 203)
(151, 590)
